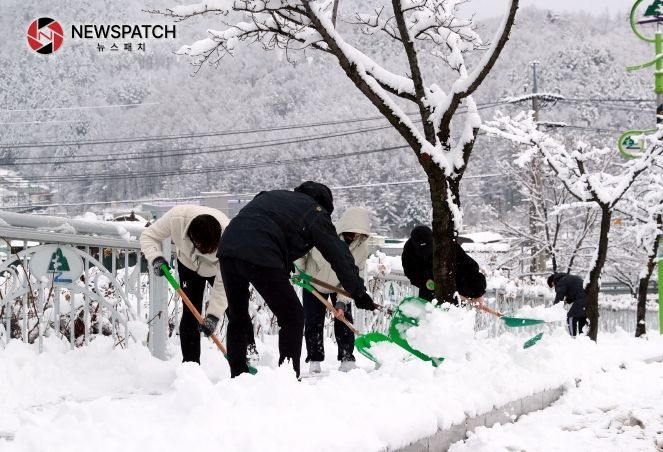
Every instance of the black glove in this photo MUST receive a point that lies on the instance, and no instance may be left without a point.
(364, 301)
(341, 305)
(209, 324)
(156, 265)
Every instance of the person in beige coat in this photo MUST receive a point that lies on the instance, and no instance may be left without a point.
(195, 231)
(353, 228)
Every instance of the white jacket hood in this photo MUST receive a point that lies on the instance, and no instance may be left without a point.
(354, 219)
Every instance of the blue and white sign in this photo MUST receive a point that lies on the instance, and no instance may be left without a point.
(59, 264)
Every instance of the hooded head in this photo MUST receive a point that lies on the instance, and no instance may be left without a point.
(205, 233)
(422, 239)
(321, 193)
(552, 279)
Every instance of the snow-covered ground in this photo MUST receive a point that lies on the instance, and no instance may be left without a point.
(106, 399)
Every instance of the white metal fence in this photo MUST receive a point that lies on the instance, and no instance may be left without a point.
(76, 279)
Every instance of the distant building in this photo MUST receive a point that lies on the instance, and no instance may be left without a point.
(16, 191)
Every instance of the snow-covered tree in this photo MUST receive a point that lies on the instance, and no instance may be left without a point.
(417, 26)
(590, 175)
(559, 236)
(642, 218)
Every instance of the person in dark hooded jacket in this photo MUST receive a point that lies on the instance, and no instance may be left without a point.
(571, 289)
(259, 247)
(417, 260)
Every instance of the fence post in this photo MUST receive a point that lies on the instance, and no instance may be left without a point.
(158, 316)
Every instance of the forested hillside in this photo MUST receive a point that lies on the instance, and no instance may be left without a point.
(263, 120)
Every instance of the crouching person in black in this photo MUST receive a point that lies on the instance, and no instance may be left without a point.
(417, 260)
(570, 288)
(259, 247)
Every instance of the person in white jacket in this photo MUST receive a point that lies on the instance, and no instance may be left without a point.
(353, 228)
(195, 231)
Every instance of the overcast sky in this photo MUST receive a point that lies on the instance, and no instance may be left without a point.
(489, 8)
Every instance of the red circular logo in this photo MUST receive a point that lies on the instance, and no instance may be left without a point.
(45, 35)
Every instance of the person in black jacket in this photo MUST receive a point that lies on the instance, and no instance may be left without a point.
(417, 260)
(259, 247)
(570, 288)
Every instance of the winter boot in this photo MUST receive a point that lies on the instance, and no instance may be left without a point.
(347, 366)
(314, 367)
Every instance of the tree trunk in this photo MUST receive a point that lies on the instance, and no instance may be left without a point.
(444, 252)
(592, 288)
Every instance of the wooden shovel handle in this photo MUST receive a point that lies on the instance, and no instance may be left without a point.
(481, 306)
(326, 285)
(331, 309)
(200, 319)
(341, 291)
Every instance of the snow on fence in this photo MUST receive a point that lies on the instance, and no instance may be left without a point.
(76, 279)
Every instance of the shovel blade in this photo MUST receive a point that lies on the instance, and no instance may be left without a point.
(533, 340)
(365, 341)
(416, 309)
(515, 322)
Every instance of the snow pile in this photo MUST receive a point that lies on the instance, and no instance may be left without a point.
(110, 399)
(554, 313)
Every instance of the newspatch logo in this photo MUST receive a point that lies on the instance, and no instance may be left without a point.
(45, 35)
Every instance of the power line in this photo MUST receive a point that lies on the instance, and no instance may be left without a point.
(405, 182)
(191, 198)
(182, 171)
(91, 107)
(595, 99)
(38, 122)
(208, 134)
(31, 161)
(159, 153)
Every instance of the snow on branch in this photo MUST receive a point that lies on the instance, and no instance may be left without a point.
(579, 169)
(549, 97)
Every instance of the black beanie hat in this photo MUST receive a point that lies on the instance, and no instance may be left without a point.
(422, 235)
(422, 238)
(320, 192)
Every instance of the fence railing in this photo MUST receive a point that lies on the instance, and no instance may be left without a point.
(76, 279)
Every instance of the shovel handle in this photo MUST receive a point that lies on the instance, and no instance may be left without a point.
(485, 308)
(331, 309)
(200, 319)
(479, 305)
(326, 285)
(341, 291)
(192, 308)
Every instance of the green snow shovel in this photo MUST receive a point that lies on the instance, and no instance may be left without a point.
(533, 340)
(366, 341)
(401, 322)
(362, 342)
(176, 287)
(513, 322)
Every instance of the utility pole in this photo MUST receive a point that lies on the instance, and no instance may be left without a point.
(334, 11)
(628, 141)
(537, 261)
(535, 91)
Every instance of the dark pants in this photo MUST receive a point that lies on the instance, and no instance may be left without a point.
(426, 294)
(193, 286)
(314, 315)
(575, 325)
(273, 284)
